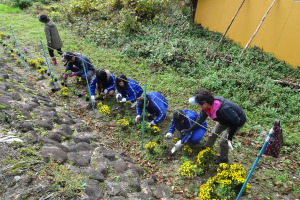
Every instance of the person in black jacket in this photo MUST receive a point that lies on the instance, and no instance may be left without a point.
(229, 117)
(79, 65)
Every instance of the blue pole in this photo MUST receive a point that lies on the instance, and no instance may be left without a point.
(144, 113)
(16, 44)
(87, 81)
(48, 66)
(255, 163)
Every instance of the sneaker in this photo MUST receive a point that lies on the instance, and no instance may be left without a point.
(220, 160)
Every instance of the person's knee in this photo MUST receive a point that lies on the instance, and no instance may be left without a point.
(194, 141)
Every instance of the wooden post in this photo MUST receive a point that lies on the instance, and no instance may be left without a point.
(258, 27)
(233, 18)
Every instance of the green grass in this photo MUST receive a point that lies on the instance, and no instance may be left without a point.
(8, 9)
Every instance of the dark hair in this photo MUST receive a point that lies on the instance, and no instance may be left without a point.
(204, 96)
(178, 116)
(44, 19)
(102, 81)
(119, 79)
(140, 101)
(68, 56)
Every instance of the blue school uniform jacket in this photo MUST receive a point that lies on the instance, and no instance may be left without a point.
(111, 84)
(158, 106)
(132, 91)
(188, 121)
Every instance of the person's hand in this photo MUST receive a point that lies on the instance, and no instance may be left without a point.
(169, 135)
(152, 123)
(105, 91)
(184, 132)
(72, 74)
(118, 97)
(137, 118)
(65, 76)
(123, 100)
(93, 98)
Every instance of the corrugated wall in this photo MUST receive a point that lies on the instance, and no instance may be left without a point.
(279, 33)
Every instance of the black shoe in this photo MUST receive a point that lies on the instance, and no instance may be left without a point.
(220, 160)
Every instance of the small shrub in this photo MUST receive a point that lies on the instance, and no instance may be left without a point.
(226, 184)
(103, 109)
(151, 147)
(205, 158)
(187, 169)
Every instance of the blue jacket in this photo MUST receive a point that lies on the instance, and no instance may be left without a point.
(77, 66)
(188, 121)
(132, 91)
(111, 84)
(158, 106)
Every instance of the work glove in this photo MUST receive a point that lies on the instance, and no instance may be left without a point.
(123, 100)
(169, 135)
(152, 123)
(137, 118)
(119, 97)
(72, 74)
(65, 76)
(177, 146)
(93, 98)
(105, 91)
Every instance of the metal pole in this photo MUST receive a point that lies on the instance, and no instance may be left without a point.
(144, 113)
(87, 81)
(48, 66)
(16, 44)
(255, 163)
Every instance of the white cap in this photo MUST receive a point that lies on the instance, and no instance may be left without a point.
(193, 101)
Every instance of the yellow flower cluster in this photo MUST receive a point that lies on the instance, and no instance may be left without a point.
(40, 60)
(153, 129)
(187, 149)
(33, 63)
(205, 191)
(204, 156)
(41, 71)
(123, 122)
(228, 178)
(50, 80)
(175, 140)
(187, 169)
(2, 35)
(65, 91)
(12, 55)
(103, 109)
(151, 146)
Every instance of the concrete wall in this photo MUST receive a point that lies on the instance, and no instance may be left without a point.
(279, 33)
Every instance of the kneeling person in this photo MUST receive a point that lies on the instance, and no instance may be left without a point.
(156, 106)
(184, 119)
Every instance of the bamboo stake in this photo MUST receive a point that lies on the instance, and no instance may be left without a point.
(258, 27)
(233, 18)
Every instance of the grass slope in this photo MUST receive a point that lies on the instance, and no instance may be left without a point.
(177, 85)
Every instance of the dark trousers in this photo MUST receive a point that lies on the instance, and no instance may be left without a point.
(51, 52)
